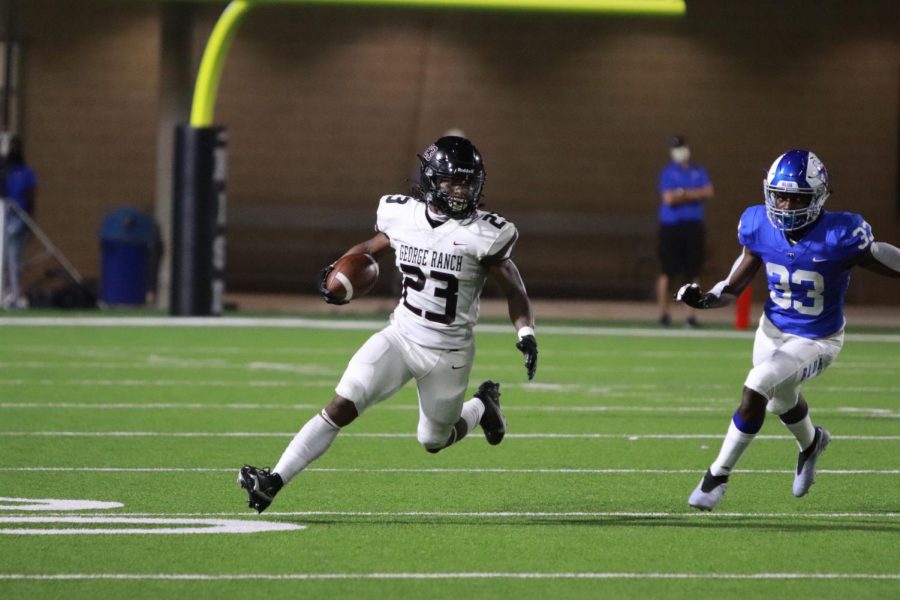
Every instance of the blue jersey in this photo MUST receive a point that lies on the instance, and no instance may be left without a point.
(807, 280)
(19, 180)
(674, 176)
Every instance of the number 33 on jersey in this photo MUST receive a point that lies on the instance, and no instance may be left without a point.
(807, 280)
(443, 268)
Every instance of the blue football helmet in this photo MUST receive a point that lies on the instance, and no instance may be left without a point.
(451, 176)
(797, 173)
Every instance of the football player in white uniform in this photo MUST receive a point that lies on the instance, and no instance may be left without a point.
(807, 253)
(445, 247)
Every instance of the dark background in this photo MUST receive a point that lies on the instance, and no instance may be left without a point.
(326, 108)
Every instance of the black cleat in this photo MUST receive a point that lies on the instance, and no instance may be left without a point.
(493, 423)
(261, 486)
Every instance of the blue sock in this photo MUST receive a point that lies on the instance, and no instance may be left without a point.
(749, 427)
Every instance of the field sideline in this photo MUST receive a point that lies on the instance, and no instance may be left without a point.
(122, 436)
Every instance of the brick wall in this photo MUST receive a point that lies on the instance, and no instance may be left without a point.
(326, 109)
(90, 93)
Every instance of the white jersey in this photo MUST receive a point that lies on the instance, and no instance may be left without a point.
(443, 268)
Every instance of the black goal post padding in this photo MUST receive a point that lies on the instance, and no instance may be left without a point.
(198, 222)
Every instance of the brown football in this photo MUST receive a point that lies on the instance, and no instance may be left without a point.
(353, 276)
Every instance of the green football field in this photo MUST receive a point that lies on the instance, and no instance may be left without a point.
(120, 442)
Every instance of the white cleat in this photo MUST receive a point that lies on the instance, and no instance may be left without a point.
(709, 492)
(806, 463)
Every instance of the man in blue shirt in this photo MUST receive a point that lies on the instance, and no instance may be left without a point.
(807, 254)
(20, 186)
(684, 187)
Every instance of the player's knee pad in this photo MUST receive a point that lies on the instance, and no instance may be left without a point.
(767, 381)
(432, 436)
(763, 379)
(781, 403)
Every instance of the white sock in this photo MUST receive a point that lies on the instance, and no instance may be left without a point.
(804, 431)
(733, 446)
(310, 443)
(471, 413)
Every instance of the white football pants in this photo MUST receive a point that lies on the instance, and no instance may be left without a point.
(782, 361)
(388, 360)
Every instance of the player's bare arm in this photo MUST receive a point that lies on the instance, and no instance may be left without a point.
(507, 276)
(726, 291)
(376, 245)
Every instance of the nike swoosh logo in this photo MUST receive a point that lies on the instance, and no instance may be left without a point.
(817, 259)
(455, 368)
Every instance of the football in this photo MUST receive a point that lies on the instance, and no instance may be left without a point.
(353, 276)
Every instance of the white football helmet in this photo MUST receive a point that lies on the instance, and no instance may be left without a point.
(800, 173)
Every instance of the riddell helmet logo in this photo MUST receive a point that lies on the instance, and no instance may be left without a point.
(465, 171)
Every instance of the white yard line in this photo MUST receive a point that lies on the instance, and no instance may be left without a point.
(399, 470)
(687, 514)
(370, 325)
(144, 525)
(180, 383)
(885, 413)
(176, 364)
(269, 577)
(704, 393)
(170, 406)
(348, 434)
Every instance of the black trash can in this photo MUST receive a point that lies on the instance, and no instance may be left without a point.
(127, 236)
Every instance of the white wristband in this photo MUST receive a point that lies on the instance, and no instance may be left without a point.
(525, 331)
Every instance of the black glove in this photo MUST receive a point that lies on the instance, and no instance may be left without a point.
(323, 289)
(693, 296)
(528, 346)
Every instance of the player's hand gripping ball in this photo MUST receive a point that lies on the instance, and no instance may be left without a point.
(350, 277)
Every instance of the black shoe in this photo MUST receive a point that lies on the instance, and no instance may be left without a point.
(493, 423)
(261, 486)
(665, 320)
(692, 323)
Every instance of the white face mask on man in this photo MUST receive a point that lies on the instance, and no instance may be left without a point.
(680, 154)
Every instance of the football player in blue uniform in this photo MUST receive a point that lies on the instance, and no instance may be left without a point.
(807, 254)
